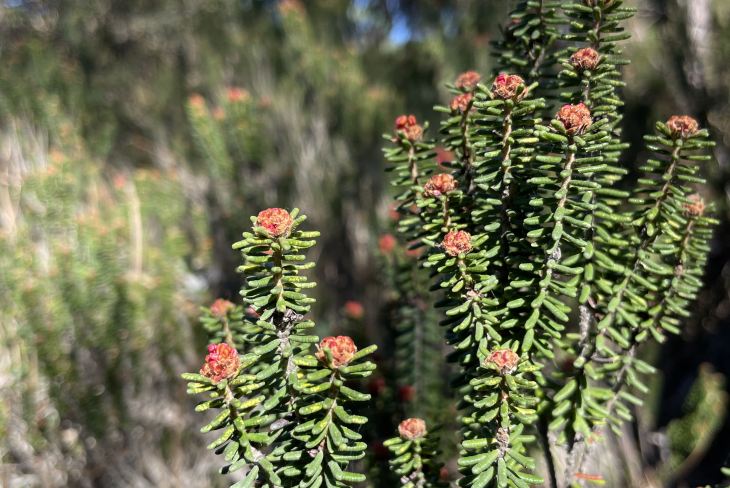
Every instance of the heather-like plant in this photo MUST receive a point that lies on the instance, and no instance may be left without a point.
(283, 412)
(550, 276)
(415, 450)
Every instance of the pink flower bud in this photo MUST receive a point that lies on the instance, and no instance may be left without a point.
(411, 429)
(276, 221)
(236, 94)
(438, 185)
(220, 308)
(467, 81)
(221, 363)
(342, 348)
(697, 208)
(505, 86)
(585, 59)
(386, 243)
(456, 243)
(460, 103)
(682, 126)
(354, 310)
(505, 359)
(575, 118)
(407, 124)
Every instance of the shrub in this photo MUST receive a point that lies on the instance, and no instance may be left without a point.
(551, 272)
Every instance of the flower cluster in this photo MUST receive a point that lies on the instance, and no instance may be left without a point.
(220, 308)
(682, 126)
(221, 363)
(409, 126)
(342, 348)
(457, 242)
(506, 360)
(276, 221)
(697, 208)
(505, 87)
(460, 103)
(411, 429)
(467, 81)
(585, 59)
(438, 185)
(575, 118)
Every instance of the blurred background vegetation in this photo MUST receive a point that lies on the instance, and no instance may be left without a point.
(137, 137)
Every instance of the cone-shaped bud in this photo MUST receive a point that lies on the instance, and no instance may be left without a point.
(221, 363)
(682, 126)
(467, 81)
(456, 243)
(354, 310)
(276, 221)
(407, 124)
(505, 359)
(438, 185)
(220, 308)
(411, 429)
(505, 86)
(575, 118)
(341, 347)
(585, 59)
(697, 208)
(460, 103)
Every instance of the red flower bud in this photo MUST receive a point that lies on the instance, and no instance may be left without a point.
(354, 310)
(456, 243)
(406, 393)
(236, 94)
(404, 121)
(220, 307)
(276, 221)
(682, 127)
(438, 185)
(341, 347)
(696, 208)
(467, 81)
(410, 128)
(575, 118)
(196, 101)
(505, 359)
(505, 86)
(585, 59)
(460, 103)
(386, 243)
(221, 363)
(411, 429)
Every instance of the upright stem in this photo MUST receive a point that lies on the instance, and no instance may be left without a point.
(227, 332)
(631, 352)
(542, 428)
(412, 165)
(506, 197)
(466, 152)
(646, 238)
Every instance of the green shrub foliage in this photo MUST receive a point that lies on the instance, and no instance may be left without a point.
(284, 413)
(541, 263)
